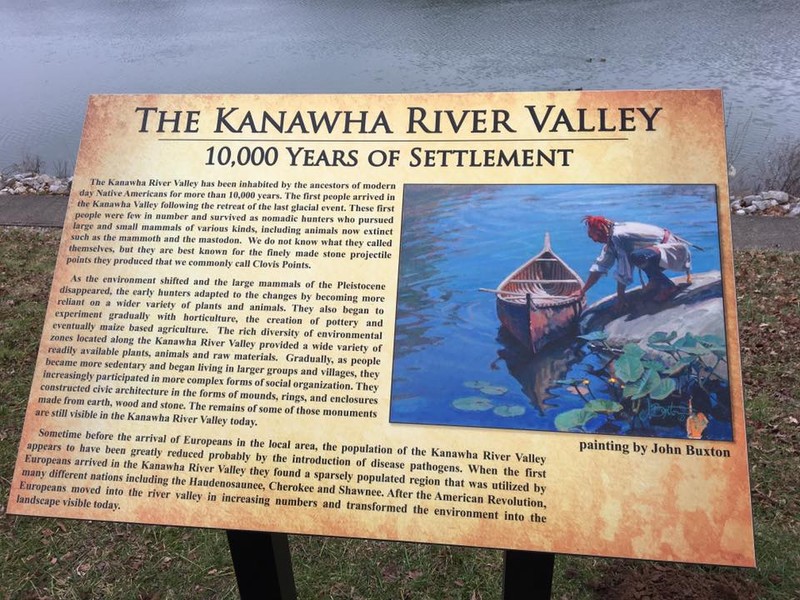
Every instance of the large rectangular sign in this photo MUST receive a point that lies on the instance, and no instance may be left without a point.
(501, 320)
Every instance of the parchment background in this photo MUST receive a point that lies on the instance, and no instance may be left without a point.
(658, 507)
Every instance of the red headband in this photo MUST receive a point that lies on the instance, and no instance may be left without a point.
(597, 223)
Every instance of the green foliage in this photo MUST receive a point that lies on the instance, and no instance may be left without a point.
(641, 380)
(604, 406)
(660, 337)
(628, 368)
(654, 379)
(573, 419)
(664, 389)
(644, 385)
(576, 419)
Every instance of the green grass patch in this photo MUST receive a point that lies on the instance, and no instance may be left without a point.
(62, 559)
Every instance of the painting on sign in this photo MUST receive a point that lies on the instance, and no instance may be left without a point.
(570, 308)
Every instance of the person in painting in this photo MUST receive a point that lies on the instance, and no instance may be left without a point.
(631, 245)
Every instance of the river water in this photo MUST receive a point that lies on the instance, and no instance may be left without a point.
(53, 54)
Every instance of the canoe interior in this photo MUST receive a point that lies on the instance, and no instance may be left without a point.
(534, 302)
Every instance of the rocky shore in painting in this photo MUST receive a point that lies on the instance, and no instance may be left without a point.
(655, 369)
(688, 312)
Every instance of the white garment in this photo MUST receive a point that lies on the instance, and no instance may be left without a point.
(625, 238)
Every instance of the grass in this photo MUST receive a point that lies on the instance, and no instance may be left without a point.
(63, 559)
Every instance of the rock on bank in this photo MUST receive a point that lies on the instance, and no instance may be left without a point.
(696, 309)
(34, 183)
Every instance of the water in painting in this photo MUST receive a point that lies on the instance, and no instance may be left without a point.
(455, 365)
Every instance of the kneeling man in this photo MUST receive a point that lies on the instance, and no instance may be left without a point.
(648, 247)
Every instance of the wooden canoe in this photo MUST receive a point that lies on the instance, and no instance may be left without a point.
(534, 302)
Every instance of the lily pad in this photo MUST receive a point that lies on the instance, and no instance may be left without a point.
(603, 406)
(473, 403)
(574, 419)
(493, 390)
(687, 341)
(653, 364)
(662, 347)
(628, 368)
(476, 385)
(662, 341)
(651, 381)
(664, 388)
(509, 411)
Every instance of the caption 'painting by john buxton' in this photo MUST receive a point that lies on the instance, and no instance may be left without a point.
(571, 308)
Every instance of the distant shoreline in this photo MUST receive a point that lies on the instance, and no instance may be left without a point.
(53, 193)
(756, 231)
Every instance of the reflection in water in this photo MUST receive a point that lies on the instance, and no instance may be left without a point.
(537, 373)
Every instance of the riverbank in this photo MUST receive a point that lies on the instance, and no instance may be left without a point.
(755, 228)
(773, 203)
(30, 183)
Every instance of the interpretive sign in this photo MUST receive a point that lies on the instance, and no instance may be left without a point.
(383, 316)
